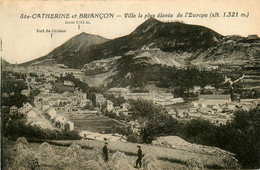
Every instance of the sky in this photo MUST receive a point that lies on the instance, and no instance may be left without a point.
(21, 42)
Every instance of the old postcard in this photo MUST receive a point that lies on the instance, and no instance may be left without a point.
(124, 85)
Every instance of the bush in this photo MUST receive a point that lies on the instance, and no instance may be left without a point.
(18, 129)
(133, 138)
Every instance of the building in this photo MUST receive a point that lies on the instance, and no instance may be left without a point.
(231, 106)
(52, 113)
(110, 106)
(25, 108)
(69, 126)
(118, 91)
(68, 83)
(136, 96)
(84, 103)
(196, 89)
(215, 99)
(25, 93)
(13, 111)
(45, 105)
(60, 119)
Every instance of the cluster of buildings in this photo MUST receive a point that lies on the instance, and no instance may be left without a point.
(49, 72)
(50, 106)
(163, 99)
(64, 102)
(218, 109)
(45, 119)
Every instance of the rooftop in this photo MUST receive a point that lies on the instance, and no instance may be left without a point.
(215, 97)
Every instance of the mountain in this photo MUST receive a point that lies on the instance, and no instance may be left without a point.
(113, 62)
(168, 37)
(76, 44)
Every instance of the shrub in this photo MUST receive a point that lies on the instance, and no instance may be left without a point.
(18, 129)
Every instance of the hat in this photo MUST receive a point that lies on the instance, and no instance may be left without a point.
(138, 146)
(106, 143)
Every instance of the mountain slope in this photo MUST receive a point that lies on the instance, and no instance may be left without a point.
(152, 33)
(74, 45)
(153, 43)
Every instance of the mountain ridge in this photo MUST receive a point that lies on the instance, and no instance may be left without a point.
(153, 42)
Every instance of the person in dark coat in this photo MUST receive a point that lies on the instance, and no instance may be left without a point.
(105, 152)
(140, 155)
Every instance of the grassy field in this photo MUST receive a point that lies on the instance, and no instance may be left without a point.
(171, 155)
(9, 154)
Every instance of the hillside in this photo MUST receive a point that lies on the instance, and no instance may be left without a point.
(152, 33)
(77, 44)
(172, 155)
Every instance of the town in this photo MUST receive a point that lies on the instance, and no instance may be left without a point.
(60, 102)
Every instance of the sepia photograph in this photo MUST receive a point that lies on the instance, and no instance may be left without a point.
(125, 85)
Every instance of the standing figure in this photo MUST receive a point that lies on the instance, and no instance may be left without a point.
(105, 152)
(140, 155)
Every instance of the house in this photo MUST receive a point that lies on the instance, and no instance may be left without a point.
(13, 111)
(177, 100)
(25, 93)
(42, 123)
(68, 83)
(122, 109)
(84, 103)
(192, 110)
(25, 108)
(250, 101)
(209, 87)
(52, 113)
(31, 114)
(110, 105)
(196, 89)
(45, 105)
(5, 95)
(100, 100)
(172, 112)
(231, 106)
(195, 104)
(69, 126)
(117, 92)
(202, 105)
(42, 89)
(143, 96)
(215, 99)
(60, 119)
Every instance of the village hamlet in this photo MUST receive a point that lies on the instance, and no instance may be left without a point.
(125, 91)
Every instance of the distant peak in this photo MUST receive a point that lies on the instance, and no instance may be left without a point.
(152, 20)
(83, 33)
